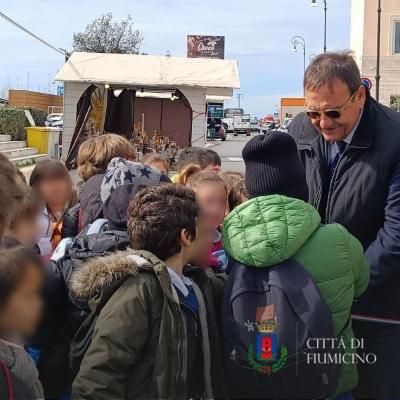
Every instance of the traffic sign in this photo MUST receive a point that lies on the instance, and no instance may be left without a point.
(367, 83)
(211, 109)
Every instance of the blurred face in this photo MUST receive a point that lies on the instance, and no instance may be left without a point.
(23, 310)
(160, 166)
(202, 243)
(213, 168)
(55, 192)
(27, 232)
(335, 96)
(211, 198)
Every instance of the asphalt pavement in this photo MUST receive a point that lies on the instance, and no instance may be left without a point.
(230, 151)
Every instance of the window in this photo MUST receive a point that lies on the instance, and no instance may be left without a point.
(396, 37)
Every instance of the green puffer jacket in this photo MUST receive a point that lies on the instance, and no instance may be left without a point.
(139, 348)
(267, 230)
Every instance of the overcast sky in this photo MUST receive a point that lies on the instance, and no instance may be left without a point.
(257, 34)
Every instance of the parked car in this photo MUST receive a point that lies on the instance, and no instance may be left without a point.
(254, 126)
(220, 129)
(285, 126)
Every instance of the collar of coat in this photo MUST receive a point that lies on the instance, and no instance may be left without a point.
(102, 273)
(363, 135)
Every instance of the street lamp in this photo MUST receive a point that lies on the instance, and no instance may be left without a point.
(239, 97)
(296, 42)
(315, 4)
(378, 52)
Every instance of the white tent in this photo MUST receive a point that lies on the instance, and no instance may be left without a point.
(156, 71)
(196, 78)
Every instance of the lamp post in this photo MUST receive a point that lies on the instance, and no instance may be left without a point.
(296, 42)
(315, 4)
(239, 97)
(378, 52)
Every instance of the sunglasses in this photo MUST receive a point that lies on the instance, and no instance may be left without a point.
(333, 113)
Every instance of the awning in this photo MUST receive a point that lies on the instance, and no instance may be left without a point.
(150, 71)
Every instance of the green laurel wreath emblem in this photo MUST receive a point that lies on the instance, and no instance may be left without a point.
(268, 368)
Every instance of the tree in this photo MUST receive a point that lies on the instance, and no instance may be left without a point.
(395, 103)
(104, 35)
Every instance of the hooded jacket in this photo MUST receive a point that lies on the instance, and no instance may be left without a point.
(268, 230)
(139, 348)
(65, 312)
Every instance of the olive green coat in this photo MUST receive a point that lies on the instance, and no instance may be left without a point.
(139, 348)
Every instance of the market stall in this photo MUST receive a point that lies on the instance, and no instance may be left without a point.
(158, 99)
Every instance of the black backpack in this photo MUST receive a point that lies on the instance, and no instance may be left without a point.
(268, 315)
(83, 337)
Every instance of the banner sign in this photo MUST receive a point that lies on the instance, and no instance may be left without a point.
(206, 46)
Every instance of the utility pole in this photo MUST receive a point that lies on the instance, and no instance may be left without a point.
(239, 97)
(378, 51)
(325, 10)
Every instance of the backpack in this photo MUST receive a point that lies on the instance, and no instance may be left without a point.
(268, 315)
(8, 388)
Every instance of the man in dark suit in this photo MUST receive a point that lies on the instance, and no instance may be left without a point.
(350, 147)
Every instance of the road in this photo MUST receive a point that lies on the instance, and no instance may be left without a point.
(230, 151)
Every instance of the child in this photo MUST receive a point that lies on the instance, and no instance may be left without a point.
(66, 313)
(10, 192)
(237, 195)
(206, 159)
(283, 253)
(156, 336)
(52, 183)
(156, 161)
(230, 178)
(21, 276)
(212, 198)
(93, 158)
(24, 227)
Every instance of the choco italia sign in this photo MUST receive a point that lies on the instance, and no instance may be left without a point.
(205, 46)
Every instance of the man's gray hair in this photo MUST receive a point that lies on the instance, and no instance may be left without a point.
(329, 66)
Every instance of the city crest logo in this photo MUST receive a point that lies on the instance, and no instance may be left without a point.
(263, 354)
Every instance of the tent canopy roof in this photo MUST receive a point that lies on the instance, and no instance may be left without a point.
(143, 70)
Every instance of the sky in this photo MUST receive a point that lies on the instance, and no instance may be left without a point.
(257, 33)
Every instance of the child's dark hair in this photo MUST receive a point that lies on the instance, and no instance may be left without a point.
(48, 169)
(187, 156)
(211, 157)
(27, 208)
(195, 155)
(13, 265)
(237, 194)
(198, 178)
(158, 214)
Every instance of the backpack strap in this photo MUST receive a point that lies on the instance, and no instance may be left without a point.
(9, 383)
(295, 281)
(97, 226)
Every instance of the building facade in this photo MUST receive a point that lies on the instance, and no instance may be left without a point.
(363, 41)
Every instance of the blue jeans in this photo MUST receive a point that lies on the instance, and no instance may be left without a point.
(382, 379)
(212, 133)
